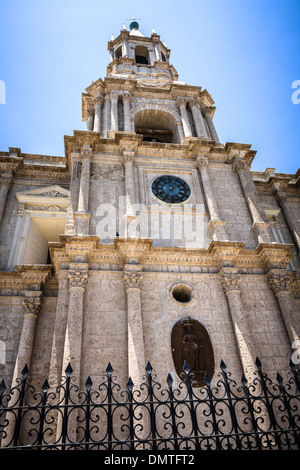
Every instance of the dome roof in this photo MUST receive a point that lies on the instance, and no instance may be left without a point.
(134, 28)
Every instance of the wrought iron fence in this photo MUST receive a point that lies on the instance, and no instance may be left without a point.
(224, 415)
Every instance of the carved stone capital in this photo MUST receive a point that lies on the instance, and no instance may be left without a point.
(231, 282)
(279, 282)
(202, 162)
(32, 303)
(181, 102)
(6, 180)
(133, 277)
(240, 165)
(99, 100)
(128, 156)
(78, 274)
(86, 152)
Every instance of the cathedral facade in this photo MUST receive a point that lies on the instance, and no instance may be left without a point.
(150, 240)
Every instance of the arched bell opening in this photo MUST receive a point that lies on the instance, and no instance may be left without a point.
(142, 55)
(156, 125)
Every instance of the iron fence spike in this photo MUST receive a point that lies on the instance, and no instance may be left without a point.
(109, 369)
(207, 379)
(258, 363)
(279, 378)
(45, 386)
(186, 367)
(223, 365)
(68, 370)
(88, 383)
(130, 384)
(170, 380)
(25, 372)
(149, 368)
(2, 386)
(244, 380)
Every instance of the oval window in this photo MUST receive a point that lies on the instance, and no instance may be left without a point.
(190, 342)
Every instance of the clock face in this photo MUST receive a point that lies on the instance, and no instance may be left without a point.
(171, 189)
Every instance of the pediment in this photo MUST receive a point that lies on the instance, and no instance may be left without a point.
(46, 195)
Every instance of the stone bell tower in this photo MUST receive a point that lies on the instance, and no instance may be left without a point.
(149, 240)
(141, 82)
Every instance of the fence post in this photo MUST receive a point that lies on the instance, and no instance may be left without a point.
(88, 386)
(130, 386)
(213, 411)
(109, 371)
(287, 407)
(45, 388)
(172, 408)
(64, 430)
(230, 402)
(152, 413)
(251, 410)
(187, 370)
(265, 391)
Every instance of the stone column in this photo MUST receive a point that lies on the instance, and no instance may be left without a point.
(136, 352)
(82, 217)
(114, 111)
(157, 51)
(279, 282)
(59, 328)
(260, 225)
(31, 308)
(98, 114)
(106, 116)
(211, 126)
(289, 217)
(198, 120)
(184, 118)
(5, 183)
(216, 224)
(231, 285)
(90, 120)
(127, 119)
(77, 275)
(128, 157)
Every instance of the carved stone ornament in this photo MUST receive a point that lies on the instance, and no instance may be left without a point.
(133, 279)
(190, 343)
(112, 174)
(231, 282)
(32, 303)
(279, 283)
(78, 275)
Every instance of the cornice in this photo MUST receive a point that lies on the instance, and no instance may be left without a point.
(217, 255)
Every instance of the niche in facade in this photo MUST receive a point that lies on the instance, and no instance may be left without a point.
(190, 342)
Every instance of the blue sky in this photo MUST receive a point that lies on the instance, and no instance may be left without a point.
(246, 53)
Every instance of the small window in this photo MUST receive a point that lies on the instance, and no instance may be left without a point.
(182, 293)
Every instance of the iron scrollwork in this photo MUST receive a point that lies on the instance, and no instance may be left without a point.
(219, 415)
